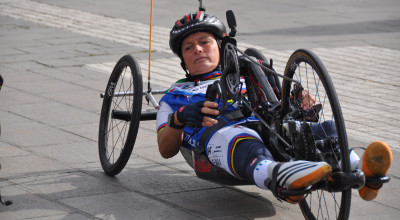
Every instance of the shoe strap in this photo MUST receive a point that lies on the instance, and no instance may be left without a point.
(374, 186)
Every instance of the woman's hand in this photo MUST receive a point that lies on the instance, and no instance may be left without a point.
(196, 114)
(209, 108)
(307, 101)
(170, 139)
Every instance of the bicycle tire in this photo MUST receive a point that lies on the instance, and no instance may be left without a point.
(301, 65)
(258, 89)
(117, 136)
(257, 54)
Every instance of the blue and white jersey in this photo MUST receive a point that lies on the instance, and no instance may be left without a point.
(183, 93)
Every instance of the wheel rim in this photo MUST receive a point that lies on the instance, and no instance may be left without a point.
(117, 130)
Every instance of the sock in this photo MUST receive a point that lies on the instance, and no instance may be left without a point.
(261, 173)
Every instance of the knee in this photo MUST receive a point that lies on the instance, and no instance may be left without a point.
(252, 149)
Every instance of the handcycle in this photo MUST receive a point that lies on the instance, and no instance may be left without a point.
(282, 121)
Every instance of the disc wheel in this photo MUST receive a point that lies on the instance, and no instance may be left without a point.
(305, 67)
(120, 115)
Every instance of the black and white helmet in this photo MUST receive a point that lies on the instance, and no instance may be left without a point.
(192, 23)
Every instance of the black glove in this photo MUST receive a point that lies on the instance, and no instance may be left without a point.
(191, 114)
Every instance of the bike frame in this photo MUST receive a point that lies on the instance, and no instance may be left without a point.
(147, 114)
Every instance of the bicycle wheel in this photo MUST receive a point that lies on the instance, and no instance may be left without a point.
(258, 90)
(272, 79)
(305, 67)
(120, 115)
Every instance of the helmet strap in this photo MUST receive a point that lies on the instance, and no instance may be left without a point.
(183, 65)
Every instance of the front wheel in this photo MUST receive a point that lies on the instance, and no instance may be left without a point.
(307, 69)
(120, 115)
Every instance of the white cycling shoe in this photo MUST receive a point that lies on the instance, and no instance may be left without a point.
(296, 175)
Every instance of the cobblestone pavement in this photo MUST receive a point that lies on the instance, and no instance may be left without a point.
(56, 60)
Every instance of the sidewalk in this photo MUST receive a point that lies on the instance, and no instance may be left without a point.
(56, 57)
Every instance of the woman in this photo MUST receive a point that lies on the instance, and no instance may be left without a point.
(234, 147)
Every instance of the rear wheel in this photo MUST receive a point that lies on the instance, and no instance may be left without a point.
(258, 90)
(120, 115)
(305, 67)
(273, 79)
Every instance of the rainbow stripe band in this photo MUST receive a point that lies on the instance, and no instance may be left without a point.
(232, 146)
(161, 128)
(211, 76)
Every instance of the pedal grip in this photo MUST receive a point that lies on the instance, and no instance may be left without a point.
(377, 180)
(340, 181)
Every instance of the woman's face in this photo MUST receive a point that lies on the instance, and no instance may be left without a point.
(200, 53)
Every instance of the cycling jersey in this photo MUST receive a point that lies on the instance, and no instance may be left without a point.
(220, 144)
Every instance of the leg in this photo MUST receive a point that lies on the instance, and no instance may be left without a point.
(254, 162)
(240, 151)
(328, 129)
(324, 130)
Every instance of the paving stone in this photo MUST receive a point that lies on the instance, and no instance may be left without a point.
(90, 131)
(19, 97)
(29, 165)
(154, 178)
(78, 99)
(151, 153)
(10, 118)
(230, 203)
(54, 113)
(27, 205)
(71, 215)
(7, 150)
(75, 154)
(128, 206)
(31, 133)
(56, 186)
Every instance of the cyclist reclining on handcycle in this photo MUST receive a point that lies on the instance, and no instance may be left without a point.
(234, 147)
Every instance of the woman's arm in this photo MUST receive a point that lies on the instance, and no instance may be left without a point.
(170, 139)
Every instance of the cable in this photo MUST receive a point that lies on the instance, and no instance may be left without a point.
(151, 24)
